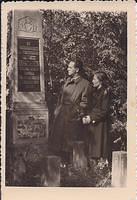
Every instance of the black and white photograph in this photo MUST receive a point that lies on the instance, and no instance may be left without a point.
(66, 98)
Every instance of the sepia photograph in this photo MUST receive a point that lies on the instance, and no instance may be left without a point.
(66, 112)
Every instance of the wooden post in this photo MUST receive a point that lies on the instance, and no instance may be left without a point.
(119, 168)
(79, 158)
(51, 177)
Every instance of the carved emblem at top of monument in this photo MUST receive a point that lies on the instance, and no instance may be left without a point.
(27, 24)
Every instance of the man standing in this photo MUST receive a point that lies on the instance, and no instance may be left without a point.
(72, 105)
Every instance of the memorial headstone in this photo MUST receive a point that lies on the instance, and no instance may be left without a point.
(52, 176)
(30, 113)
(119, 168)
(79, 158)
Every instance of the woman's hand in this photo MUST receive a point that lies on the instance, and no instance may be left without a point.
(86, 119)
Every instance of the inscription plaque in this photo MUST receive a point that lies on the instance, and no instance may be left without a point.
(31, 126)
(28, 65)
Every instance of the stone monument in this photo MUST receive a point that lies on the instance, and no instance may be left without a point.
(27, 131)
(79, 158)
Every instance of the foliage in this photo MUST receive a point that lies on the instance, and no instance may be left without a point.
(94, 176)
(30, 169)
(100, 40)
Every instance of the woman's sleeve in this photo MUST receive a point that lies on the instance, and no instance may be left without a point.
(99, 113)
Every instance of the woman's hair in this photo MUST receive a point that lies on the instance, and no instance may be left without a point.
(103, 78)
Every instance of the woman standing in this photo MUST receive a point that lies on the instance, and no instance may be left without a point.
(98, 138)
(67, 126)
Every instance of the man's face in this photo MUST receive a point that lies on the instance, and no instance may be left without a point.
(71, 69)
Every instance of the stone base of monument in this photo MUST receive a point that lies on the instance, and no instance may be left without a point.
(30, 123)
(79, 158)
(51, 177)
(119, 168)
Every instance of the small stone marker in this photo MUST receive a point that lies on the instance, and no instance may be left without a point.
(52, 177)
(119, 168)
(79, 158)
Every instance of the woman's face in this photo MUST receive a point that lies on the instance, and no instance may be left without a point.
(72, 70)
(96, 82)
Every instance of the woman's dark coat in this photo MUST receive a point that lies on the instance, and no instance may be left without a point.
(67, 126)
(98, 134)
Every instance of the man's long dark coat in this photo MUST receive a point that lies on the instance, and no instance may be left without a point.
(67, 125)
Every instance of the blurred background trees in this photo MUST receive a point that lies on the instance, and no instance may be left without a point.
(99, 39)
